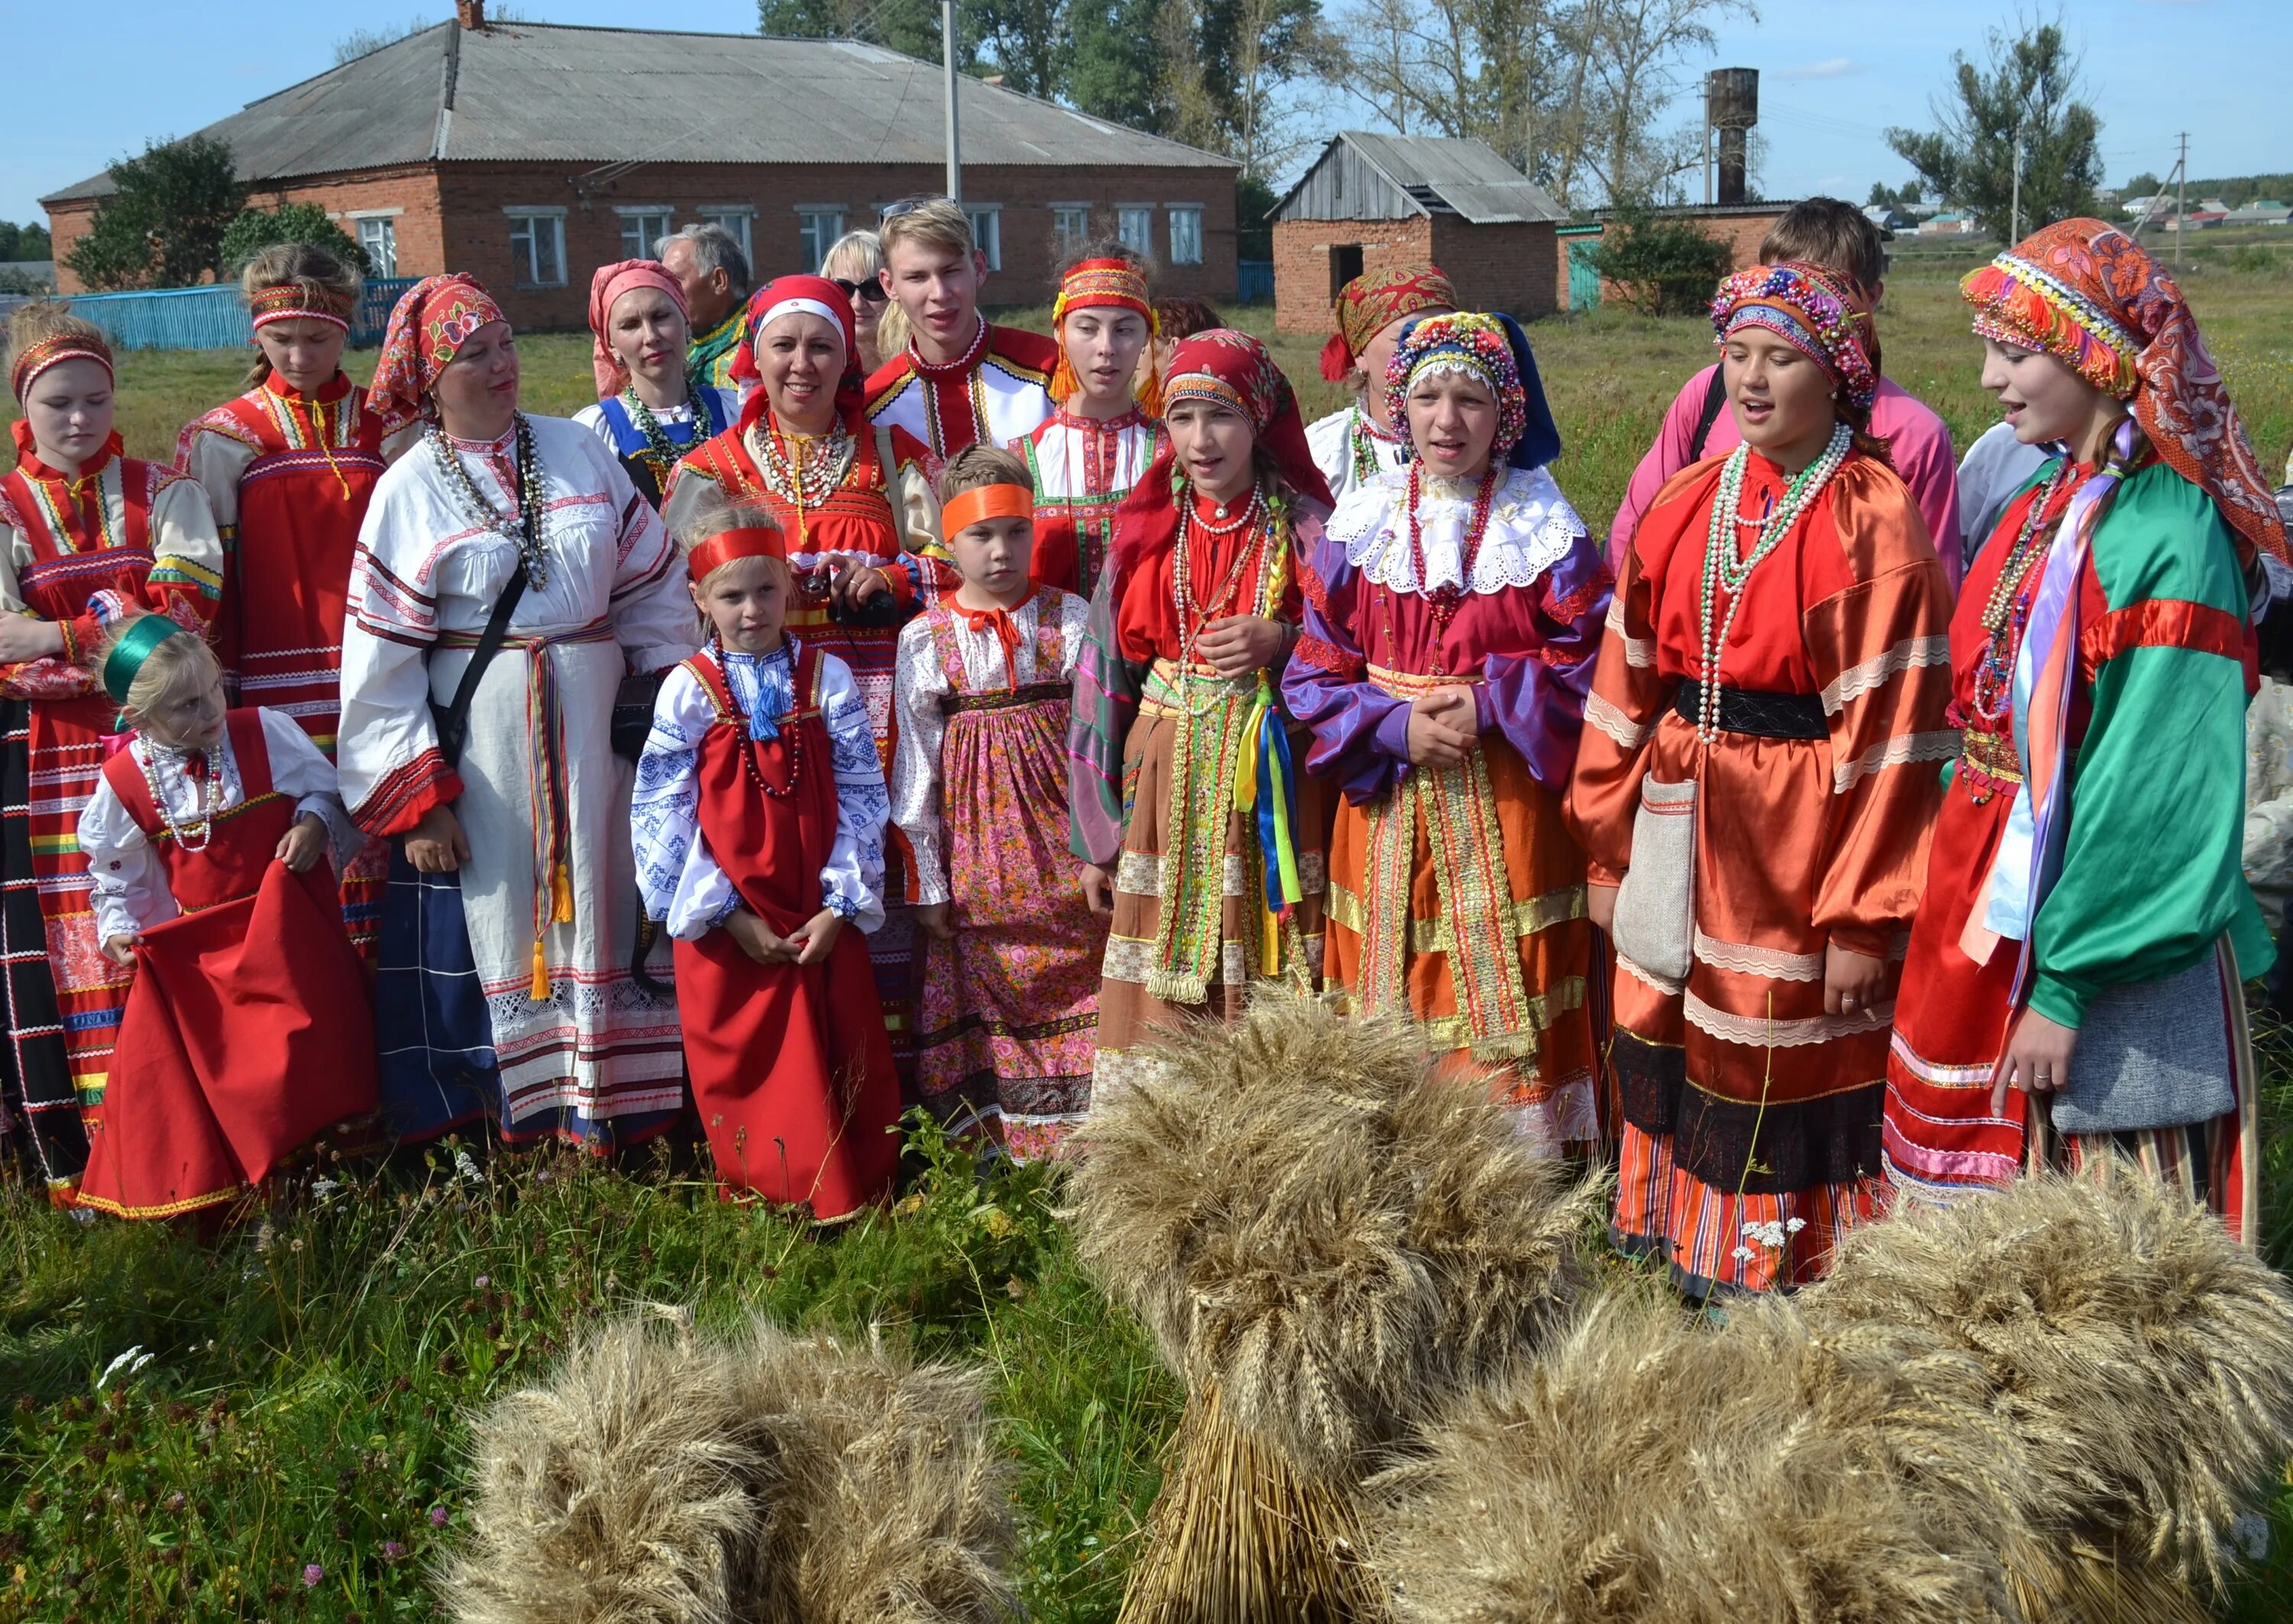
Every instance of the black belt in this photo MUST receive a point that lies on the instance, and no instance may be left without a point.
(1761, 716)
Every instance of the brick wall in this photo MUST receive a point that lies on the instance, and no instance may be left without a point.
(1303, 285)
(1742, 228)
(453, 218)
(67, 222)
(1504, 268)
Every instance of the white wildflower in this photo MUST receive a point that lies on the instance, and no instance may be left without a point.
(467, 1168)
(1793, 1225)
(125, 1360)
(324, 1187)
(1744, 1253)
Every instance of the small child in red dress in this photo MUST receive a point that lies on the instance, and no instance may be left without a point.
(247, 1031)
(759, 824)
(1009, 1018)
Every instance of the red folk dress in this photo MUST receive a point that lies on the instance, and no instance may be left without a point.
(246, 1032)
(791, 1072)
(290, 476)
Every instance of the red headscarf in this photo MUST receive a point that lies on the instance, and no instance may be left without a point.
(815, 296)
(2089, 295)
(1238, 372)
(1374, 301)
(609, 283)
(430, 321)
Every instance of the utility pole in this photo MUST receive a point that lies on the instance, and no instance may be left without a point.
(947, 55)
(2014, 218)
(2181, 196)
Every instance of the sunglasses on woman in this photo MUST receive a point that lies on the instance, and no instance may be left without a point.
(870, 290)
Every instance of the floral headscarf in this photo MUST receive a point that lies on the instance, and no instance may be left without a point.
(431, 322)
(788, 295)
(2089, 295)
(1811, 309)
(608, 284)
(1494, 350)
(1374, 301)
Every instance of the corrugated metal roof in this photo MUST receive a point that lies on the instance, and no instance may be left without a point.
(548, 92)
(1437, 174)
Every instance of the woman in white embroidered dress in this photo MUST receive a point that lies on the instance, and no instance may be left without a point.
(532, 821)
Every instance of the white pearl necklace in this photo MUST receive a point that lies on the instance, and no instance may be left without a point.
(159, 767)
(1727, 569)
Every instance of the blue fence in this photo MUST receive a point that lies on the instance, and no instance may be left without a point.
(212, 318)
(1253, 281)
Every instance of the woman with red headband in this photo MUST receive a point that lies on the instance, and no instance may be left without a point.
(2073, 987)
(651, 411)
(852, 507)
(1200, 842)
(86, 536)
(1758, 770)
(758, 823)
(1101, 435)
(289, 468)
(509, 578)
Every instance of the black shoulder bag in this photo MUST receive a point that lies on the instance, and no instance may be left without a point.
(1715, 400)
(453, 719)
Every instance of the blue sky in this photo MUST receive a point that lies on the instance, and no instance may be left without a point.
(1834, 73)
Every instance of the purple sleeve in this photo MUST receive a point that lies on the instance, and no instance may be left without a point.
(1666, 456)
(1536, 700)
(1360, 733)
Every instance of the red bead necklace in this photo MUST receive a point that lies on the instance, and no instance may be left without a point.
(1443, 601)
(790, 735)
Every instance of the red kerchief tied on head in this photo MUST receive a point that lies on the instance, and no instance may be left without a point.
(791, 295)
(609, 283)
(1374, 302)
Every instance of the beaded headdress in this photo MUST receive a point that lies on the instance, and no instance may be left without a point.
(297, 301)
(2086, 293)
(1492, 349)
(1809, 309)
(55, 352)
(1095, 284)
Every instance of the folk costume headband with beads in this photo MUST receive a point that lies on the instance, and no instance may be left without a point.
(428, 326)
(2093, 298)
(1480, 347)
(126, 661)
(1103, 283)
(55, 352)
(982, 502)
(294, 302)
(730, 546)
(1806, 307)
(1374, 302)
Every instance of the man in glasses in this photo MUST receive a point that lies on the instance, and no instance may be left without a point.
(961, 380)
(708, 263)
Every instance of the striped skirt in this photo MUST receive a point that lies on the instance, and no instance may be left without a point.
(67, 755)
(35, 1079)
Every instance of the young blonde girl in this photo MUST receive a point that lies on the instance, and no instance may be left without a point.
(758, 822)
(247, 1028)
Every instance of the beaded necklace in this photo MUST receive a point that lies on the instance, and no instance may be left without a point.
(1443, 601)
(1728, 570)
(793, 735)
(663, 451)
(483, 512)
(210, 797)
(2005, 612)
(1181, 584)
(1363, 438)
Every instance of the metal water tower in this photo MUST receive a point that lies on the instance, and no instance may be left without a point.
(1731, 106)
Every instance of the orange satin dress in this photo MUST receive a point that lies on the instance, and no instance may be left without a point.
(1750, 1132)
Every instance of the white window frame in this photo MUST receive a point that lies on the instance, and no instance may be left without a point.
(529, 220)
(638, 221)
(355, 222)
(817, 240)
(738, 218)
(1174, 211)
(986, 230)
(1142, 215)
(1070, 236)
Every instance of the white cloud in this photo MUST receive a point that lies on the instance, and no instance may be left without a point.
(1830, 67)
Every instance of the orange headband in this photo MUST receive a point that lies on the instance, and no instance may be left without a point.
(969, 507)
(730, 546)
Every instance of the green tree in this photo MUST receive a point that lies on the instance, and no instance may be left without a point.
(23, 242)
(1116, 71)
(1883, 196)
(256, 230)
(2142, 185)
(2029, 91)
(164, 226)
(1664, 267)
(911, 27)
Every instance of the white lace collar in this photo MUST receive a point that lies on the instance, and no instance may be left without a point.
(1531, 528)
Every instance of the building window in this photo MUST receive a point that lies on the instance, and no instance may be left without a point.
(736, 221)
(1135, 228)
(537, 248)
(379, 238)
(987, 231)
(1186, 234)
(1071, 225)
(818, 229)
(641, 229)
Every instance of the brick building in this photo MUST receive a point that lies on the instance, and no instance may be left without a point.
(1371, 201)
(1742, 226)
(528, 154)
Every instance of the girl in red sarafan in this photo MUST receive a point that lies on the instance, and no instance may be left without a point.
(289, 468)
(1010, 998)
(246, 1031)
(86, 536)
(758, 822)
